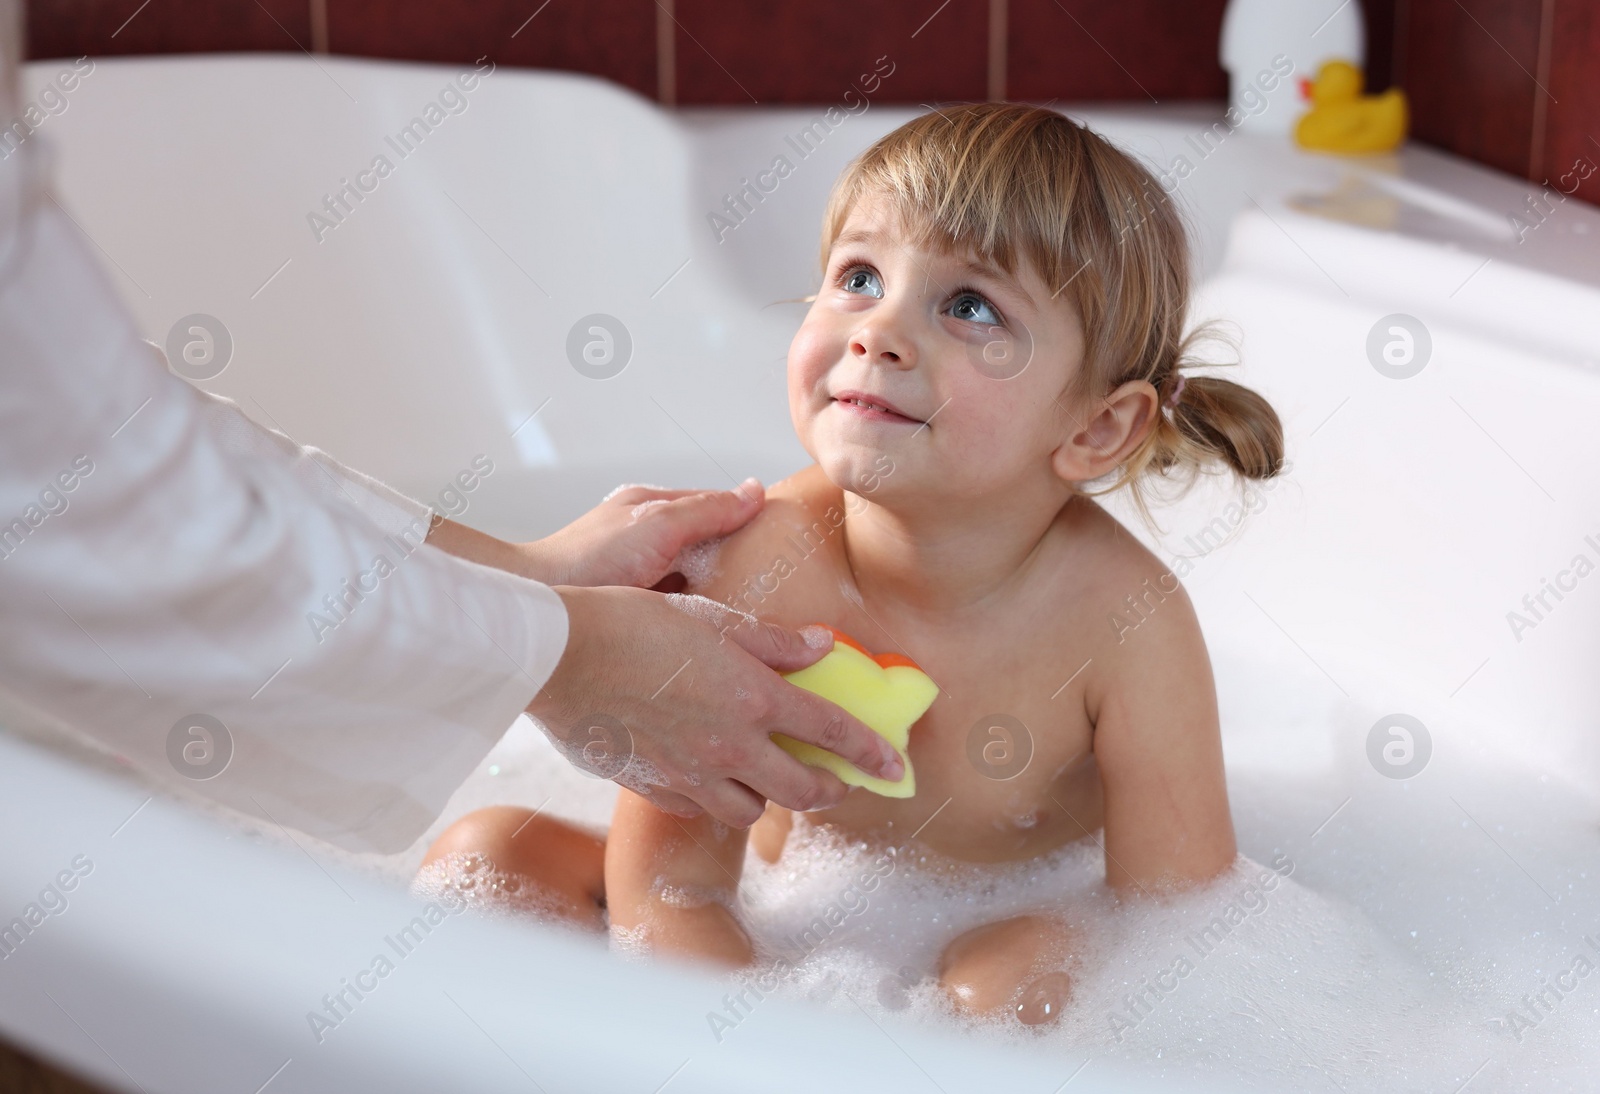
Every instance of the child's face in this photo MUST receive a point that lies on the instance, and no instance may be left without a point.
(970, 365)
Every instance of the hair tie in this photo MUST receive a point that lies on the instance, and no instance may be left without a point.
(1172, 400)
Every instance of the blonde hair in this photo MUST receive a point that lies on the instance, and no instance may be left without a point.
(1006, 181)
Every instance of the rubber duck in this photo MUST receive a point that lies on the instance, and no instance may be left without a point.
(1342, 119)
(887, 691)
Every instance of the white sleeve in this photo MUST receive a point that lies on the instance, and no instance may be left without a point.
(319, 473)
(154, 579)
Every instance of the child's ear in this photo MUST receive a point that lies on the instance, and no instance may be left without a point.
(1116, 425)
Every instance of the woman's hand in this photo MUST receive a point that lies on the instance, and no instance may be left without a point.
(631, 538)
(675, 697)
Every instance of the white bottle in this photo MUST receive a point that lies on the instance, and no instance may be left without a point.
(1269, 46)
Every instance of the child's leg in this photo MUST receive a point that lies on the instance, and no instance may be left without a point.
(677, 879)
(566, 864)
(1016, 965)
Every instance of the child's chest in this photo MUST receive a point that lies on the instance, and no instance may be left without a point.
(1003, 758)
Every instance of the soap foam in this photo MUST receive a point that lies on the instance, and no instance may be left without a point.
(644, 507)
(698, 561)
(685, 896)
(641, 776)
(704, 608)
(1288, 976)
(631, 944)
(470, 879)
(1418, 922)
(630, 486)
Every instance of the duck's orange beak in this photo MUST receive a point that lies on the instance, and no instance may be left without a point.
(1305, 88)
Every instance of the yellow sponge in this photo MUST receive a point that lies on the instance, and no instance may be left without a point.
(887, 692)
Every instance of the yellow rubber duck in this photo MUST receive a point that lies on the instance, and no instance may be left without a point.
(1341, 119)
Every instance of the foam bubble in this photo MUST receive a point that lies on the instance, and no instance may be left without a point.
(630, 943)
(698, 562)
(641, 776)
(703, 607)
(630, 486)
(686, 896)
(644, 507)
(1148, 980)
(1044, 1000)
(471, 879)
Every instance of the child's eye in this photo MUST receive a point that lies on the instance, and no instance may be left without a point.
(859, 279)
(975, 309)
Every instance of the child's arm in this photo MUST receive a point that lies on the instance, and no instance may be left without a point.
(677, 879)
(1159, 746)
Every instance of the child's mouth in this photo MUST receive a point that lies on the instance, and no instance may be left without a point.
(872, 408)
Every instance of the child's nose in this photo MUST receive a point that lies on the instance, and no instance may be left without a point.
(880, 344)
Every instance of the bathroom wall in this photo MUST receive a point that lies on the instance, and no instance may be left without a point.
(1510, 83)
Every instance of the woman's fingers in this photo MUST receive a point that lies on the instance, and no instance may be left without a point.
(621, 643)
(624, 541)
(732, 803)
(799, 713)
(779, 648)
(792, 784)
(806, 717)
(707, 514)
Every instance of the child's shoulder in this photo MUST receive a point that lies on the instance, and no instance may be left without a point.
(1124, 589)
(782, 555)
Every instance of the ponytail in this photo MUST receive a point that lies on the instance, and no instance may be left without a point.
(1219, 421)
(1203, 422)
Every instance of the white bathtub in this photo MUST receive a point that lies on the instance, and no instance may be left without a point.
(428, 327)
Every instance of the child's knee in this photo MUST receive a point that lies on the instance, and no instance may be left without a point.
(565, 865)
(1016, 965)
(491, 832)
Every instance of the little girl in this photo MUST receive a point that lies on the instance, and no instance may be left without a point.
(1001, 324)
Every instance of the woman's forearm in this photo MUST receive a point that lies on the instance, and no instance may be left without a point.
(522, 559)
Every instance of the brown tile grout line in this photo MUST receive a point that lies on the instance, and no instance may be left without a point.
(1541, 106)
(999, 23)
(666, 54)
(319, 26)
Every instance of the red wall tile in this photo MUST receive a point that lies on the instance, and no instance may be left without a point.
(813, 51)
(1136, 50)
(72, 28)
(615, 39)
(1468, 72)
(1573, 132)
(1468, 67)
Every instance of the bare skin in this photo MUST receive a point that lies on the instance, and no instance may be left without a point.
(568, 862)
(615, 545)
(952, 532)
